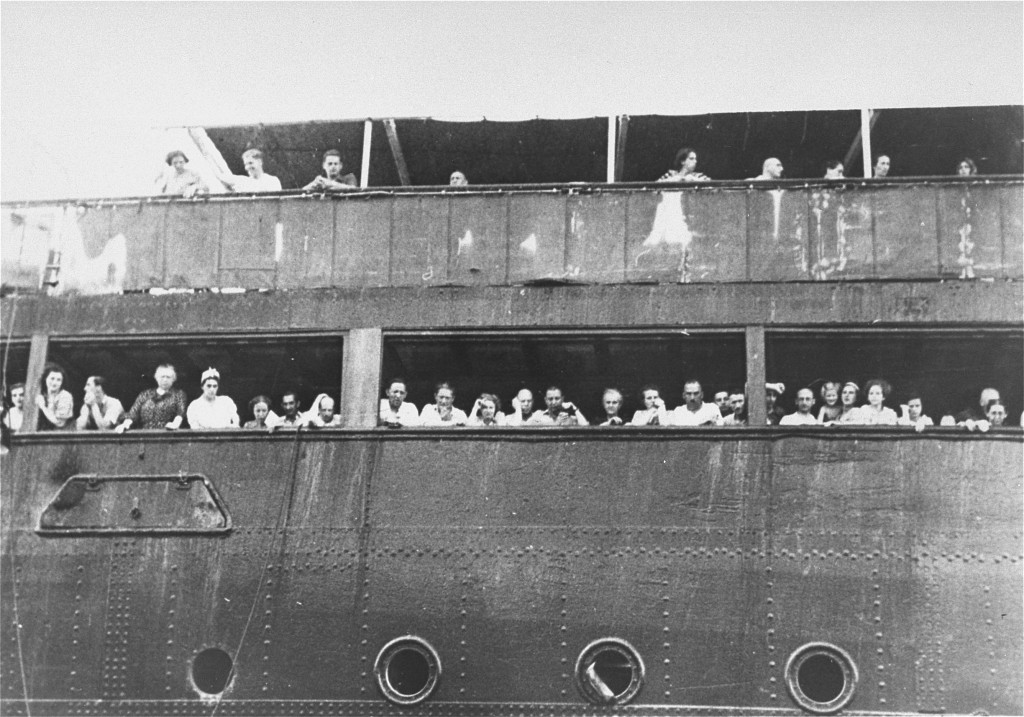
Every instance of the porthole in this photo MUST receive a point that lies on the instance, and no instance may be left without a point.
(211, 671)
(609, 672)
(407, 670)
(821, 678)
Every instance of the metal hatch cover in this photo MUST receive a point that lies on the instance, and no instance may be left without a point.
(91, 504)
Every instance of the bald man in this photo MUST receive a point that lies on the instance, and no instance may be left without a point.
(771, 169)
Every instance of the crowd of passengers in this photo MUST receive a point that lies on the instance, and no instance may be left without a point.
(179, 180)
(167, 407)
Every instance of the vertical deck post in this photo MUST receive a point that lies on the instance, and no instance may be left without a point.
(865, 140)
(360, 377)
(757, 414)
(37, 352)
(364, 172)
(610, 178)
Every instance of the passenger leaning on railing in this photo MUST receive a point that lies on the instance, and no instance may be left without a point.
(694, 412)
(772, 393)
(486, 411)
(210, 411)
(160, 407)
(14, 416)
(522, 408)
(913, 415)
(653, 412)
(178, 179)
(256, 181)
(684, 168)
(559, 412)
(395, 411)
(831, 410)
(803, 415)
(56, 405)
(321, 414)
(442, 413)
(259, 407)
(738, 404)
(611, 399)
(332, 180)
(100, 412)
(874, 412)
(848, 398)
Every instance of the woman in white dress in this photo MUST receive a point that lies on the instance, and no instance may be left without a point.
(210, 411)
(874, 412)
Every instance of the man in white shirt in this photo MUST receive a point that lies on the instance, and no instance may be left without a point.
(559, 411)
(441, 413)
(395, 411)
(695, 412)
(100, 412)
(522, 404)
(257, 180)
(802, 416)
(771, 169)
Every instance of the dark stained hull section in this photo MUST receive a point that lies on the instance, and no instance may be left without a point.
(715, 553)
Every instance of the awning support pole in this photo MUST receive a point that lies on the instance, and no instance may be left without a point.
(866, 120)
(611, 150)
(364, 173)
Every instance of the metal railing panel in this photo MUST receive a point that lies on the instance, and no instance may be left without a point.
(307, 248)
(362, 237)
(419, 241)
(596, 238)
(777, 231)
(478, 240)
(537, 237)
(193, 244)
(718, 223)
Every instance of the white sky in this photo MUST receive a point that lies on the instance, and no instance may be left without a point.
(84, 84)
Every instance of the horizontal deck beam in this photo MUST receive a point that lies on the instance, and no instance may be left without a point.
(809, 305)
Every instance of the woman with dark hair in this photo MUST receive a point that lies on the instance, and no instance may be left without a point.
(849, 397)
(179, 180)
(486, 411)
(684, 169)
(653, 413)
(259, 407)
(56, 406)
(995, 412)
(966, 167)
(874, 412)
(211, 411)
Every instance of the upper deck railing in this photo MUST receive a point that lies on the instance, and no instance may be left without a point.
(798, 230)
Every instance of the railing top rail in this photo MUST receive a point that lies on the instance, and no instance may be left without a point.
(564, 187)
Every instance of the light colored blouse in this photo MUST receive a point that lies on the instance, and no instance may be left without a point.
(221, 412)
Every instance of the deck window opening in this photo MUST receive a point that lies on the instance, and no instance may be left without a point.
(582, 367)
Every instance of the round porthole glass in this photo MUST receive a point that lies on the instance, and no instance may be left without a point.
(821, 678)
(211, 670)
(609, 672)
(408, 670)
